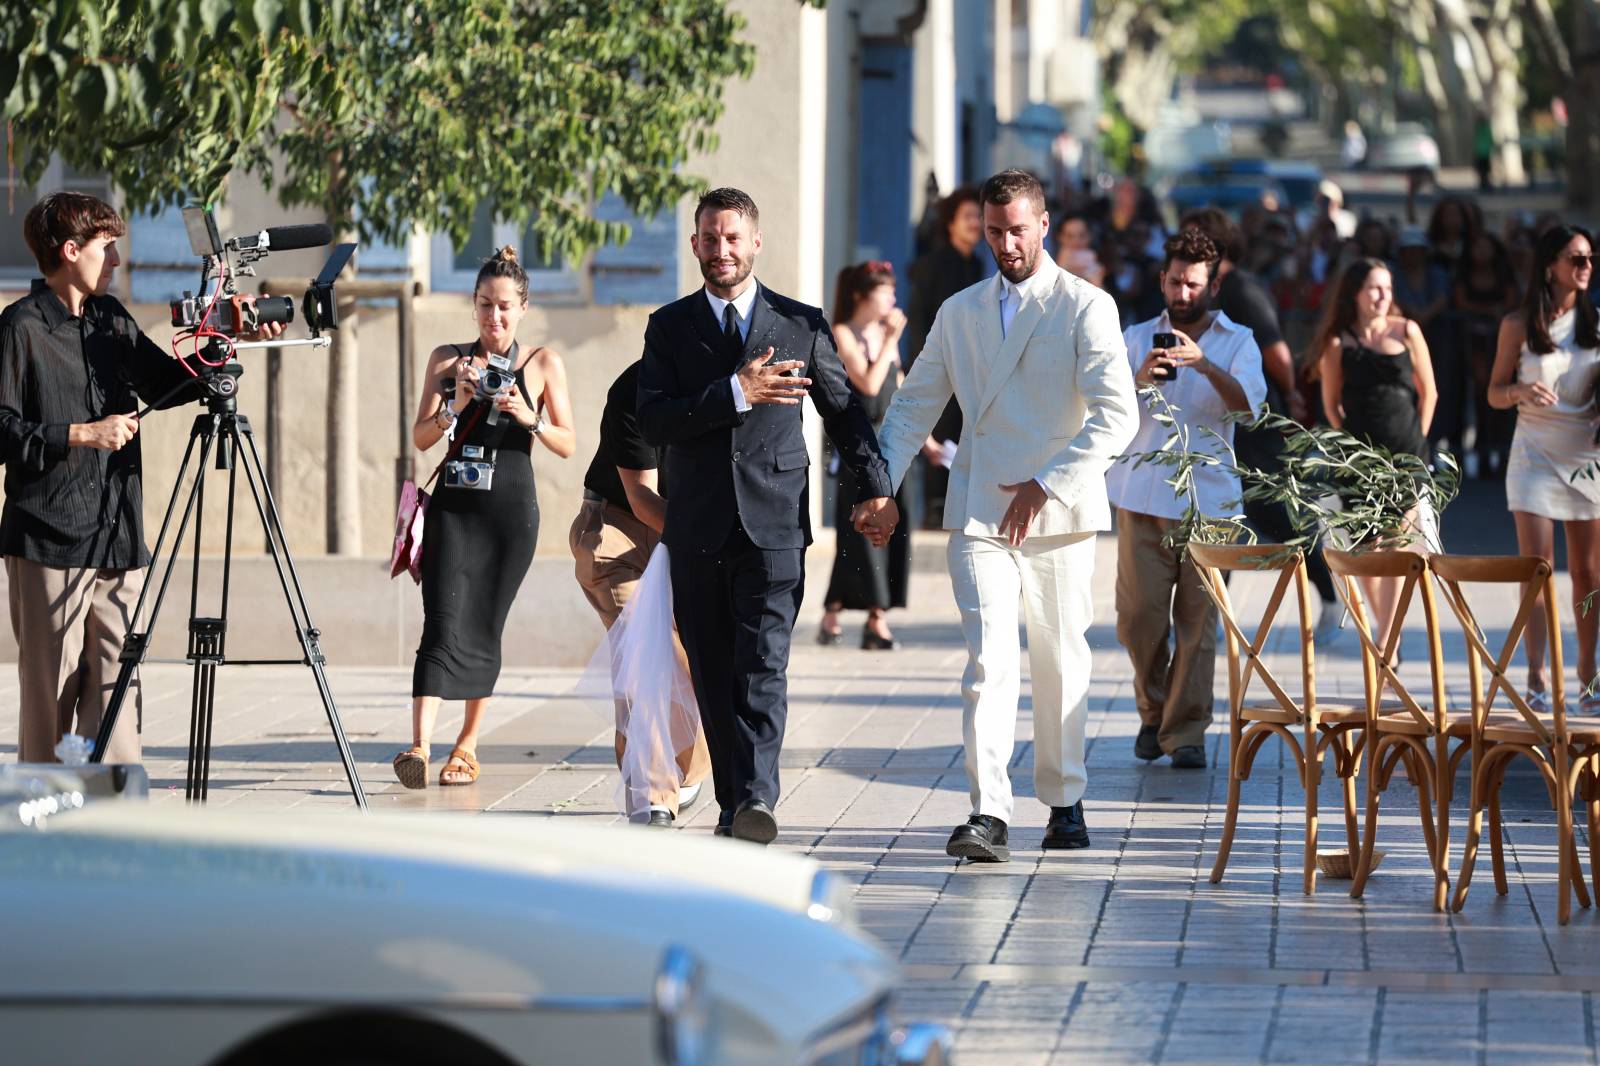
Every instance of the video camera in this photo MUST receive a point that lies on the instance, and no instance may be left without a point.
(220, 308)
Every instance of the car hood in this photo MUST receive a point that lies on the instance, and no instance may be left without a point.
(609, 855)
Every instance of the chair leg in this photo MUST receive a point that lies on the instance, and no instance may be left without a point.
(1418, 768)
(1580, 886)
(1469, 850)
(1441, 796)
(1229, 824)
(1352, 829)
(1375, 782)
(1591, 802)
(1565, 852)
(1497, 851)
(1311, 776)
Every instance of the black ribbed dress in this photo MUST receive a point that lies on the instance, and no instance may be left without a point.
(476, 549)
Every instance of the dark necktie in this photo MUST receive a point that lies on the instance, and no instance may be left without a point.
(730, 329)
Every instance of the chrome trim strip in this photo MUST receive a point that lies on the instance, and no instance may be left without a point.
(479, 1002)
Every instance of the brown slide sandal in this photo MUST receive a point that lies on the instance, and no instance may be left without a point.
(411, 767)
(461, 767)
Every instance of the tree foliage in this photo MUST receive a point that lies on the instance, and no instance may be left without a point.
(388, 114)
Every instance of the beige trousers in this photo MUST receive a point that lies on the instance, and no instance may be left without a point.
(611, 548)
(70, 625)
(1160, 598)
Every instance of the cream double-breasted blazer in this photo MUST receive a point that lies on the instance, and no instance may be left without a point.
(1051, 399)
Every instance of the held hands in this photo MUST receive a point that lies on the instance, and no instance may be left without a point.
(876, 518)
(108, 434)
(1028, 499)
(764, 381)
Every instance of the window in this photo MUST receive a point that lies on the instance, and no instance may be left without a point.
(16, 197)
(455, 269)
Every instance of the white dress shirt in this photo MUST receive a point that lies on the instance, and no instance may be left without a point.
(1143, 489)
(744, 306)
(1013, 293)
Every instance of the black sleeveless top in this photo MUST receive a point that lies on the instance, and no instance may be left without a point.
(1380, 398)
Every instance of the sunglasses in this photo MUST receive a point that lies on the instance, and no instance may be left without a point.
(1581, 261)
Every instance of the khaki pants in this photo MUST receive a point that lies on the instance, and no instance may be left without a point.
(1159, 595)
(612, 548)
(70, 625)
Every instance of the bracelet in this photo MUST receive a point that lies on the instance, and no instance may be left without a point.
(538, 426)
(450, 414)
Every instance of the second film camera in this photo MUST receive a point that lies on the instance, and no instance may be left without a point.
(474, 470)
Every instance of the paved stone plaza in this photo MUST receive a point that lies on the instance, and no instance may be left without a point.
(1121, 953)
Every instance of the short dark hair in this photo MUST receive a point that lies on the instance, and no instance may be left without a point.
(67, 216)
(503, 264)
(1191, 246)
(1009, 185)
(1223, 231)
(951, 206)
(728, 198)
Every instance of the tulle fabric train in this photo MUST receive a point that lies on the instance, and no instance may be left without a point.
(639, 679)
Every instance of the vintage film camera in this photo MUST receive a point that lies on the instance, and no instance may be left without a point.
(498, 378)
(474, 470)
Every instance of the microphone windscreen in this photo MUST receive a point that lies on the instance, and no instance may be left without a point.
(287, 238)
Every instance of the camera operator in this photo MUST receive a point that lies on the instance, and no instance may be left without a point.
(1207, 367)
(72, 361)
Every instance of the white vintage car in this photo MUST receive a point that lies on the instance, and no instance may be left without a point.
(139, 934)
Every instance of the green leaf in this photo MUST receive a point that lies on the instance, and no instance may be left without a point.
(212, 13)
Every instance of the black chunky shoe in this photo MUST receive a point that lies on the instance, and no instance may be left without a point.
(1066, 829)
(981, 839)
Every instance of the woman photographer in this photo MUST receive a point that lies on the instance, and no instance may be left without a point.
(483, 521)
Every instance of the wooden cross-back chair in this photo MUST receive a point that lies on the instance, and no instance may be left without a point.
(1322, 727)
(1408, 730)
(1565, 749)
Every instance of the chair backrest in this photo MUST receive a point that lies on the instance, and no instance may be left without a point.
(1535, 576)
(1378, 663)
(1212, 561)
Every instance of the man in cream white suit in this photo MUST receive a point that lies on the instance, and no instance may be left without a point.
(1036, 360)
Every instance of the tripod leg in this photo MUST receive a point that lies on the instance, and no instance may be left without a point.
(137, 643)
(294, 596)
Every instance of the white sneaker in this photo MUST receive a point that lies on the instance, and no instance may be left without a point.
(687, 795)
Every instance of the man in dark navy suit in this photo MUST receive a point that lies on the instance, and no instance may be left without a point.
(720, 387)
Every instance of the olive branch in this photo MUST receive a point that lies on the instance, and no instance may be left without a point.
(1360, 496)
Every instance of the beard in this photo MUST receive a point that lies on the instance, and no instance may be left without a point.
(742, 269)
(1018, 274)
(1187, 314)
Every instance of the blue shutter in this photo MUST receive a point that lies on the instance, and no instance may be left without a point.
(643, 271)
(160, 240)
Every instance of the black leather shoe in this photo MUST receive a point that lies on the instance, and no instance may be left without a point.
(1066, 829)
(660, 819)
(981, 839)
(754, 822)
(870, 641)
(1145, 745)
(1189, 757)
(829, 637)
(724, 825)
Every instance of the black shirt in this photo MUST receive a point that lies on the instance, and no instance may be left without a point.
(74, 507)
(935, 277)
(1241, 298)
(621, 442)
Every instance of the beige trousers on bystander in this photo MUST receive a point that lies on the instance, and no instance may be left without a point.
(70, 625)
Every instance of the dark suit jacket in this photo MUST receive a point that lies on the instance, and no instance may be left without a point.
(722, 464)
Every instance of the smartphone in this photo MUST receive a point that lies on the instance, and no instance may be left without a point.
(1164, 340)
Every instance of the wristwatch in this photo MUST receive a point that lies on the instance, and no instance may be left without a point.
(450, 418)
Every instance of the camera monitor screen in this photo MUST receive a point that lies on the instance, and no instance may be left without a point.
(203, 236)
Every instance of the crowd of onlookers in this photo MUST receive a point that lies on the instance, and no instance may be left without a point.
(1453, 274)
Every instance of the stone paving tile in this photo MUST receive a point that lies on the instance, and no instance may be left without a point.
(1123, 952)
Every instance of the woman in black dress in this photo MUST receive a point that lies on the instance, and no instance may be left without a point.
(483, 521)
(867, 327)
(1377, 383)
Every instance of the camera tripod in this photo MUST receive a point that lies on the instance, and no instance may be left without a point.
(225, 432)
